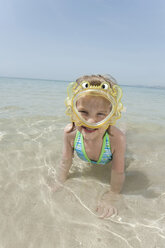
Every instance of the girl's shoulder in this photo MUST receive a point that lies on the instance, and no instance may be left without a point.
(115, 131)
(70, 133)
(117, 137)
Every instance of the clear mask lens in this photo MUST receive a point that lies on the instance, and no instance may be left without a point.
(92, 110)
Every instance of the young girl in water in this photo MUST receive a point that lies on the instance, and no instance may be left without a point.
(93, 103)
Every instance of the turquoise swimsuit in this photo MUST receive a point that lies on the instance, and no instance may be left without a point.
(105, 156)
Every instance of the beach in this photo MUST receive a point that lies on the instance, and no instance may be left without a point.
(32, 119)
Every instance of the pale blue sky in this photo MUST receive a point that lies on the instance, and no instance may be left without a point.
(63, 39)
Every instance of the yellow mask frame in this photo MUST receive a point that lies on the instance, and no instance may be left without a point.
(113, 95)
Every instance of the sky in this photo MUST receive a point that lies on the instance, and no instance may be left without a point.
(65, 39)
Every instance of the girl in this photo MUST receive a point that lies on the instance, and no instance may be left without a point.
(93, 103)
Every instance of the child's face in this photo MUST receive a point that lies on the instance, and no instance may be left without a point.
(93, 109)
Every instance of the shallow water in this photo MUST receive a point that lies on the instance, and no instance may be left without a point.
(31, 126)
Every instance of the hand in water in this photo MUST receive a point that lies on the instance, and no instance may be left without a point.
(105, 208)
(56, 187)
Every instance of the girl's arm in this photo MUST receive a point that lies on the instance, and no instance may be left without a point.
(117, 173)
(105, 206)
(66, 160)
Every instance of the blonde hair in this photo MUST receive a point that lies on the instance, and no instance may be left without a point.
(97, 79)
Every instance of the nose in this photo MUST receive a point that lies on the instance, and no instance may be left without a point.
(91, 120)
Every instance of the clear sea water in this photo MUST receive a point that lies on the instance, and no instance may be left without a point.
(32, 119)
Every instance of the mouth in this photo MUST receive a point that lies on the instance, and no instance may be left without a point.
(89, 130)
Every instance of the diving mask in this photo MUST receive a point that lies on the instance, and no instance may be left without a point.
(77, 92)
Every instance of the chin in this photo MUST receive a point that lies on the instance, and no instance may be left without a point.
(89, 132)
(93, 134)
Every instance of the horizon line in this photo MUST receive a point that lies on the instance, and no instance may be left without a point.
(46, 79)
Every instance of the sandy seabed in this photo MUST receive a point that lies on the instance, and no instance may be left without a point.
(32, 216)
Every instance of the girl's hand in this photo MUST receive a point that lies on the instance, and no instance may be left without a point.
(105, 207)
(55, 187)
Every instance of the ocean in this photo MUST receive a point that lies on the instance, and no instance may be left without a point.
(32, 119)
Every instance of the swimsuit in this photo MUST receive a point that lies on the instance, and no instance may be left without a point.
(105, 156)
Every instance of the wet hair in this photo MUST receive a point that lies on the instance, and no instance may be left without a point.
(97, 79)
